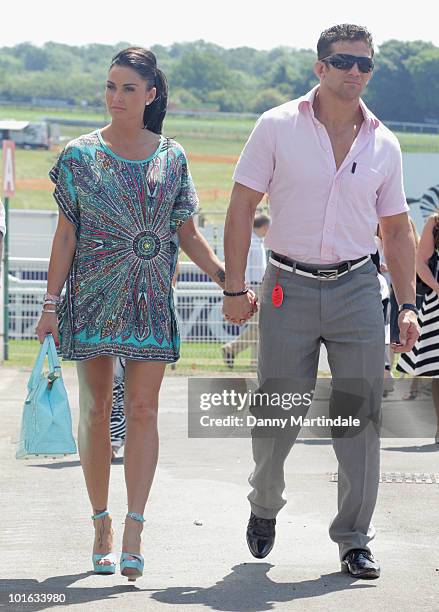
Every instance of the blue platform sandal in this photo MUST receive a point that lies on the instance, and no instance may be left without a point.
(103, 568)
(131, 564)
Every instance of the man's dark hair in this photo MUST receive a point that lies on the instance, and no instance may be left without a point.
(261, 220)
(343, 31)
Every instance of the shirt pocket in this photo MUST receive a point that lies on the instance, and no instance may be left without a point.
(362, 183)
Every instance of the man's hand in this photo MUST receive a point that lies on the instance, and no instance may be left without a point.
(408, 332)
(240, 309)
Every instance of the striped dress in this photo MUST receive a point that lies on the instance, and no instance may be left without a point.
(423, 359)
(117, 421)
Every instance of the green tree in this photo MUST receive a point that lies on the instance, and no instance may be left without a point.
(200, 72)
(33, 58)
(391, 91)
(424, 71)
(268, 98)
(404, 86)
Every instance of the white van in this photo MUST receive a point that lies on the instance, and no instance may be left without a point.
(35, 136)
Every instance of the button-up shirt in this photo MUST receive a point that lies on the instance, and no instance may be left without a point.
(320, 214)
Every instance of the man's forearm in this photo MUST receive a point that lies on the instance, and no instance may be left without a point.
(400, 253)
(237, 238)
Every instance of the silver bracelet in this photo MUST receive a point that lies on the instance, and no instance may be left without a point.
(47, 310)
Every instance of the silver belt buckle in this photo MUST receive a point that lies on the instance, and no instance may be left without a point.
(327, 275)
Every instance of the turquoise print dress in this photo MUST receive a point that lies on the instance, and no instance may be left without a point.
(126, 214)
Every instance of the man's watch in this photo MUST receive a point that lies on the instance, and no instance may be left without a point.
(407, 307)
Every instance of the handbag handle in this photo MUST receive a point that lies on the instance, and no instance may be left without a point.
(47, 348)
(54, 363)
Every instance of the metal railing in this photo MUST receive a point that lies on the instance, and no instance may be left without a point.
(198, 302)
(412, 126)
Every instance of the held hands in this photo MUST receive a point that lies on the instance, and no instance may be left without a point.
(240, 309)
(408, 332)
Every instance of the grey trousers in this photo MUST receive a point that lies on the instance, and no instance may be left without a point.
(346, 315)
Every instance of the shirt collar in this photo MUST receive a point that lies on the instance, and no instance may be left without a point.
(306, 102)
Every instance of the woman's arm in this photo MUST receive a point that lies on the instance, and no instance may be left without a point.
(200, 252)
(424, 252)
(63, 251)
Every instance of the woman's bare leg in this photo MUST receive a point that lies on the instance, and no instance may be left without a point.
(142, 386)
(95, 377)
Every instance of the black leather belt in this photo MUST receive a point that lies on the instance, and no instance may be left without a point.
(315, 272)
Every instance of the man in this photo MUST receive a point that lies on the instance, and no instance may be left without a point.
(254, 272)
(332, 171)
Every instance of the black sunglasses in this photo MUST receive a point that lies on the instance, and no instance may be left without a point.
(345, 61)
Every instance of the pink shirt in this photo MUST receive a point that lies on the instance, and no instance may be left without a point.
(321, 214)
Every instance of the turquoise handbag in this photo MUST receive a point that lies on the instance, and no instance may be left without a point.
(46, 425)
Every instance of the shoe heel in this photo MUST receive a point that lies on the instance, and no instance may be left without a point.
(344, 568)
(134, 565)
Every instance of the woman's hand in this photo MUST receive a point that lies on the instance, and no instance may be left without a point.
(48, 324)
(240, 309)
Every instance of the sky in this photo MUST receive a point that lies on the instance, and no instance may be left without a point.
(229, 23)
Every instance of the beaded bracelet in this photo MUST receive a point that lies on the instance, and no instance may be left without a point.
(51, 296)
(235, 293)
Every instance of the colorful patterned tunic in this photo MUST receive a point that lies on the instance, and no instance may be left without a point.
(126, 214)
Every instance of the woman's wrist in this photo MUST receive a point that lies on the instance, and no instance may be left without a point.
(52, 297)
(47, 309)
(50, 302)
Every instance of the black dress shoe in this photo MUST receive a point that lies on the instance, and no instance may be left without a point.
(260, 535)
(361, 564)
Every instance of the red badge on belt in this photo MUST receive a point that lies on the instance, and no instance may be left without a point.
(277, 295)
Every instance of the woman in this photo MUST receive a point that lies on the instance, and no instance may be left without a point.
(423, 360)
(127, 200)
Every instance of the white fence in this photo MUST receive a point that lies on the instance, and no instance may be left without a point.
(198, 301)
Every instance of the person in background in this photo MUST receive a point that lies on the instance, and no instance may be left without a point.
(117, 419)
(423, 359)
(254, 272)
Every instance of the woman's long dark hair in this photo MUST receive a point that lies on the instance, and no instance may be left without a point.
(145, 64)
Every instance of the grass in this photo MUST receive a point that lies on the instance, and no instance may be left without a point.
(418, 143)
(195, 357)
(39, 114)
